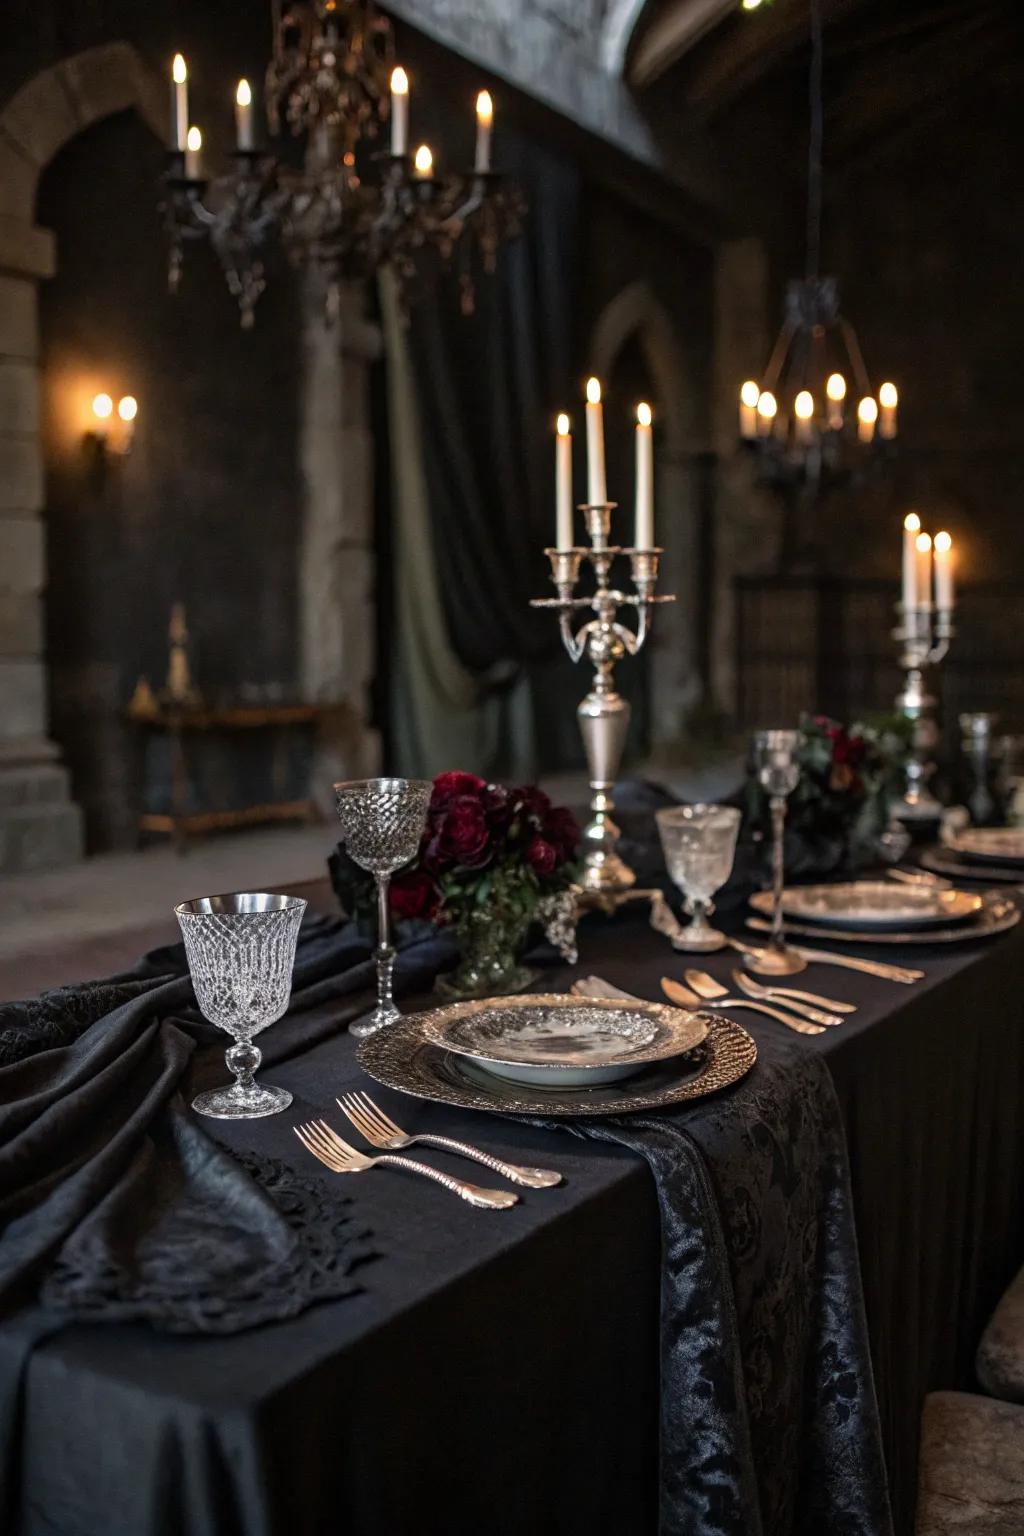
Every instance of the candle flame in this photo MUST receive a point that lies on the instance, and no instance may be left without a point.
(179, 70)
(888, 396)
(912, 523)
(194, 141)
(593, 392)
(867, 410)
(562, 425)
(243, 95)
(943, 543)
(399, 81)
(923, 542)
(128, 408)
(804, 405)
(767, 405)
(643, 415)
(835, 387)
(424, 161)
(750, 393)
(484, 107)
(102, 406)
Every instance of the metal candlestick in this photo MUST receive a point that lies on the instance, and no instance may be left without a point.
(604, 714)
(924, 634)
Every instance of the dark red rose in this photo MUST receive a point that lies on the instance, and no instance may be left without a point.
(413, 894)
(562, 829)
(499, 808)
(532, 804)
(448, 786)
(464, 836)
(541, 855)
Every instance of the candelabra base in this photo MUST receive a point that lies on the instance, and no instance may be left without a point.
(918, 807)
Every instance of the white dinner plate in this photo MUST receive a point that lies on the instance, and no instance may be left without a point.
(559, 1041)
(872, 904)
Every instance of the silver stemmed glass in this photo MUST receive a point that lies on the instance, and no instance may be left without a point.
(777, 765)
(382, 822)
(700, 844)
(241, 950)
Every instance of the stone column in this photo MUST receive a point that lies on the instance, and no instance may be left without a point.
(337, 611)
(39, 825)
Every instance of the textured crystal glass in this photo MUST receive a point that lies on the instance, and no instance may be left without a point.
(382, 822)
(699, 842)
(777, 765)
(241, 950)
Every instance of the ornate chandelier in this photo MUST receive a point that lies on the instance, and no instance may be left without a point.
(347, 210)
(798, 418)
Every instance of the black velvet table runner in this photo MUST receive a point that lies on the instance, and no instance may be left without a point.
(766, 1399)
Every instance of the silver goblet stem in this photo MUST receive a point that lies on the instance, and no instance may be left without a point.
(778, 810)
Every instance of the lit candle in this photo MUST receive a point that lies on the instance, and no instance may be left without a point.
(911, 529)
(835, 389)
(867, 415)
(943, 571)
(179, 102)
(749, 395)
(767, 410)
(243, 115)
(888, 399)
(399, 111)
(563, 484)
(597, 488)
(423, 164)
(484, 124)
(803, 409)
(643, 537)
(923, 546)
(193, 146)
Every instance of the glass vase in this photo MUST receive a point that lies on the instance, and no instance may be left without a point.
(490, 944)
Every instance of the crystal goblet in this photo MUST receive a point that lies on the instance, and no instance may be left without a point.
(700, 844)
(241, 950)
(382, 822)
(777, 765)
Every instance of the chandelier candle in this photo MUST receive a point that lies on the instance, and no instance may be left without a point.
(399, 111)
(643, 537)
(888, 399)
(923, 634)
(179, 103)
(597, 487)
(484, 124)
(835, 390)
(243, 115)
(563, 484)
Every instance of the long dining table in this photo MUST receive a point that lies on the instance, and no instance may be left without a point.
(501, 1373)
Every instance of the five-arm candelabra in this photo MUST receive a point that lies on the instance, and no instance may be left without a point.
(603, 714)
(924, 632)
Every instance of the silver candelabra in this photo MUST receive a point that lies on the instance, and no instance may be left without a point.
(923, 633)
(604, 714)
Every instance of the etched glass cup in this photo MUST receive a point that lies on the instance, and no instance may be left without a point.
(382, 822)
(241, 950)
(699, 842)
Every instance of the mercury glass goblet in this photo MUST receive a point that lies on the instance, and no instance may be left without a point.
(241, 950)
(382, 822)
(700, 844)
(777, 765)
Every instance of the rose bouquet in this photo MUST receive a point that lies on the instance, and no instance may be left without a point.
(492, 861)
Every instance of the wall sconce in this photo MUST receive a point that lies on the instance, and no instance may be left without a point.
(112, 431)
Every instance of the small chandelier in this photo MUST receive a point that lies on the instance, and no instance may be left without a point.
(333, 84)
(814, 412)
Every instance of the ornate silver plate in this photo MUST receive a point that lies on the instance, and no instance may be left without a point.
(872, 904)
(996, 916)
(400, 1058)
(1001, 845)
(556, 1040)
(942, 862)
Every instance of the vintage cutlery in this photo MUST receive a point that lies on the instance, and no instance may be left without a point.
(684, 998)
(881, 968)
(380, 1131)
(707, 987)
(318, 1138)
(920, 877)
(593, 986)
(756, 989)
(795, 1005)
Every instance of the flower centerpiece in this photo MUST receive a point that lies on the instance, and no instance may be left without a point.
(492, 861)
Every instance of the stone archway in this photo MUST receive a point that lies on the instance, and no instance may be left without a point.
(636, 314)
(39, 825)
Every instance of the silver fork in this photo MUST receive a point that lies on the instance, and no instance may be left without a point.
(318, 1138)
(380, 1131)
(794, 1004)
(796, 994)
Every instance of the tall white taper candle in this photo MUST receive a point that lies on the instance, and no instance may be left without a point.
(911, 529)
(179, 102)
(597, 488)
(399, 111)
(943, 571)
(484, 124)
(243, 115)
(643, 537)
(563, 484)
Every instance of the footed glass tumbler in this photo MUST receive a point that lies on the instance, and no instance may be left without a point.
(699, 842)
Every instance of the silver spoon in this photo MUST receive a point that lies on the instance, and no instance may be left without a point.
(684, 998)
(832, 1004)
(806, 1010)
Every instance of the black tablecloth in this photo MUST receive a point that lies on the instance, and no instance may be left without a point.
(500, 1374)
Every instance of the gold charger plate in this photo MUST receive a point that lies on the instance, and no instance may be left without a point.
(942, 861)
(400, 1058)
(996, 916)
(872, 904)
(997, 845)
